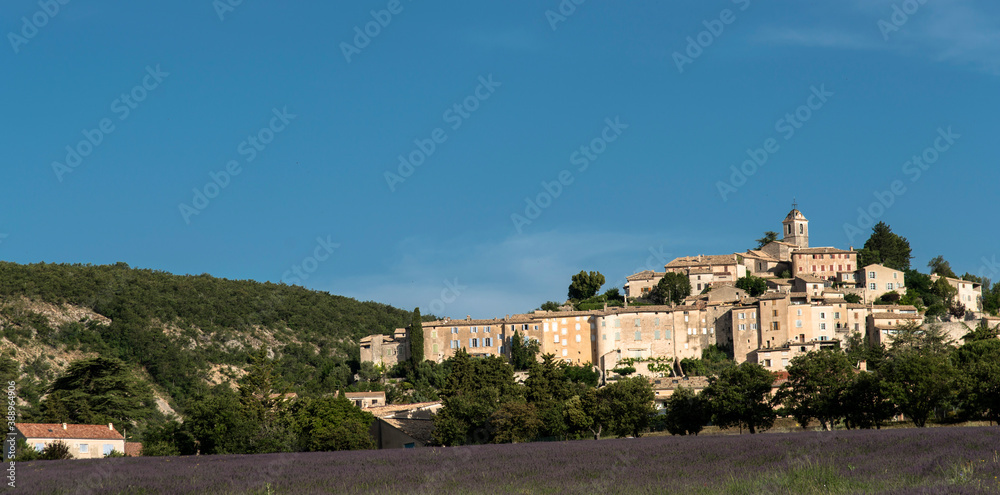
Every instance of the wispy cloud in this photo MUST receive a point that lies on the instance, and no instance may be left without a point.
(960, 32)
(514, 275)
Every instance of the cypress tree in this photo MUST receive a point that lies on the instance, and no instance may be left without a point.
(416, 339)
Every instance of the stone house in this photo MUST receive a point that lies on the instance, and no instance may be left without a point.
(84, 441)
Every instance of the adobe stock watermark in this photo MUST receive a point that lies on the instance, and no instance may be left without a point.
(913, 168)
(454, 115)
(563, 11)
(450, 293)
(786, 127)
(30, 26)
(301, 271)
(224, 7)
(122, 107)
(2, 237)
(656, 261)
(582, 158)
(249, 149)
(363, 36)
(900, 15)
(714, 28)
(10, 439)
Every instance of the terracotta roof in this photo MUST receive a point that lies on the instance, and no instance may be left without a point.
(715, 259)
(670, 383)
(901, 307)
(364, 395)
(645, 275)
(810, 279)
(700, 271)
(773, 296)
(856, 306)
(62, 430)
(133, 449)
(890, 316)
(384, 411)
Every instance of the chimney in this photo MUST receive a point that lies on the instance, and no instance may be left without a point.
(468, 317)
(64, 426)
(111, 426)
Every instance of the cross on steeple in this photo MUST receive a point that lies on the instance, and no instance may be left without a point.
(795, 204)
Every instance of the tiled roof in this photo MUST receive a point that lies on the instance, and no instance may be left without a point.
(758, 254)
(715, 259)
(810, 279)
(364, 395)
(901, 307)
(893, 316)
(384, 411)
(856, 306)
(645, 275)
(417, 429)
(56, 430)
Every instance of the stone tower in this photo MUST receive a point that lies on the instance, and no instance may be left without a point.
(796, 228)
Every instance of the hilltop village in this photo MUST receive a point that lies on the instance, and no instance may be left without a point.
(797, 314)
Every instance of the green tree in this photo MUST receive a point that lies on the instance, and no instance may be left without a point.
(547, 388)
(56, 451)
(869, 401)
(885, 248)
(769, 237)
(331, 423)
(815, 387)
(941, 267)
(687, 412)
(978, 363)
(672, 288)
(416, 339)
(475, 389)
(550, 306)
(754, 286)
(739, 397)
(614, 295)
(588, 412)
(515, 422)
(629, 406)
(585, 285)
(99, 391)
(921, 380)
(713, 361)
(523, 351)
(852, 298)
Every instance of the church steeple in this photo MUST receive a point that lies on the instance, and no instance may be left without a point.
(796, 228)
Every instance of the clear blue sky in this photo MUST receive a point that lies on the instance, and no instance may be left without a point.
(186, 89)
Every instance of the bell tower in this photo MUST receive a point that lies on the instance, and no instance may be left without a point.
(796, 228)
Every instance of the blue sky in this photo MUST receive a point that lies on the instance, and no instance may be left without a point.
(541, 138)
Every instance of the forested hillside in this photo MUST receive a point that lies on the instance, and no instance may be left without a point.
(181, 333)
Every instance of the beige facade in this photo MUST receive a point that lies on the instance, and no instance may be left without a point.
(796, 229)
(84, 441)
(876, 280)
(823, 262)
(639, 284)
(970, 294)
(703, 271)
(365, 400)
(443, 338)
(384, 350)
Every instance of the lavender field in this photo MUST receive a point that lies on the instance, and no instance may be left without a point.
(903, 461)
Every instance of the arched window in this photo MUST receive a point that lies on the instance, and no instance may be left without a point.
(789, 229)
(801, 227)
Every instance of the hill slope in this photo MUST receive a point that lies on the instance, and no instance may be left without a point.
(183, 332)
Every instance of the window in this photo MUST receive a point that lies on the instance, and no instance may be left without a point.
(454, 344)
(704, 331)
(775, 325)
(638, 323)
(656, 322)
(801, 228)
(742, 316)
(685, 318)
(775, 313)
(39, 447)
(666, 334)
(434, 334)
(488, 342)
(454, 329)
(604, 336)
(871, 274)
(555, 337)
(767, 363)
(894, 275)
(822, 316)
(84, 448)
(836, 315)
(434, 349)
(743, 327)
(753, 326)
(888, 286)
(525, 327)
(487, 330)
(578, 338)
(784, 362)
(871, 286)
(656, 335)
(798, 312)
(798, 323)
(824, 337)
(107, 448)
(618, 323)
(618, 335)
(604, 323)
(822, 326)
